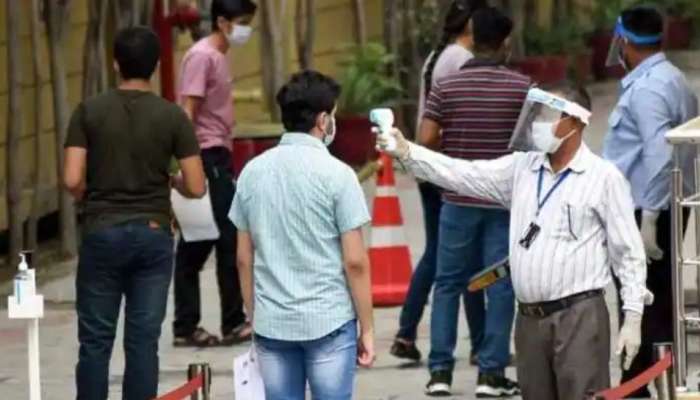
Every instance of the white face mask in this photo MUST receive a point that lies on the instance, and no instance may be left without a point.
(240, 34)
(544, 139)
(331, 129)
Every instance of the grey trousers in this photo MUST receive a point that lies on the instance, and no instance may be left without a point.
(566, 355)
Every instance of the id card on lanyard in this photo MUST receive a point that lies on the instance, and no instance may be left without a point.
(533, 230)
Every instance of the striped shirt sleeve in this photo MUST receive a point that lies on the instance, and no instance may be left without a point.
(350, 205)
(490, 180)
(238, 214)
(433, 104)
(625, 243)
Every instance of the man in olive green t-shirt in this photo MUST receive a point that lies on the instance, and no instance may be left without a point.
(117, 158)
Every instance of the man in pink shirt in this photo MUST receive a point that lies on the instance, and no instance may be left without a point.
(205, 94)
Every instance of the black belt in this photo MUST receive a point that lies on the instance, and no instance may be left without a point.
(547, 308)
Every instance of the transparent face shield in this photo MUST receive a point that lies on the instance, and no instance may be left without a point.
(542, 107)
(621, 36)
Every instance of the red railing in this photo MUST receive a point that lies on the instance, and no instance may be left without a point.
(637, 382)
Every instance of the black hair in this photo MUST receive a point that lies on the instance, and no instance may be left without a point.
(307, 94)
(230, 9)
(136, 51)
(455, 23)
(490, 28)
(643, 21)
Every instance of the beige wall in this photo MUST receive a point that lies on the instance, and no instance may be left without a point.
(73, 55)
(334, 29)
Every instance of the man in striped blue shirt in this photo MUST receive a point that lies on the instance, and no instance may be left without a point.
(304, 270)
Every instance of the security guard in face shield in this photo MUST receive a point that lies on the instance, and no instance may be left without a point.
(655, 97)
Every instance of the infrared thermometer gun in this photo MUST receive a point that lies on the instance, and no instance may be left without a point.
(384, 119)
(489, 275)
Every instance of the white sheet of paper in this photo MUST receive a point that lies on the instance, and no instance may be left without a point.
(195, 217)
(248, 383)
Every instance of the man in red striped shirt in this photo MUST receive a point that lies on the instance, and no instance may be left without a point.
(471, 114)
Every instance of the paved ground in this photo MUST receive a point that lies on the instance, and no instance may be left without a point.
(388, 380)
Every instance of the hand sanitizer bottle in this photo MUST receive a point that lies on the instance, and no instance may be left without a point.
(384, 119)
(24, 281)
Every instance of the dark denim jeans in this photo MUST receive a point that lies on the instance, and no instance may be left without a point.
(191, 256)
(131, 261)
(470, 239)
(424, 273)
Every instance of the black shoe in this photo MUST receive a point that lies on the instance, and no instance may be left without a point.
(493, 386)
(405, 350)
(440, 384)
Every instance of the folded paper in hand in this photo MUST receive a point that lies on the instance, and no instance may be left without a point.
(247, 378)
(195, 217)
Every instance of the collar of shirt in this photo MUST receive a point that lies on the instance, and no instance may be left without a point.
(482, 62)
(302, 139)
(581, 161)
(642, 69)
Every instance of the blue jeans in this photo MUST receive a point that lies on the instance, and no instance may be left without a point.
(470, 239)
(424, 273)
(328, 364)
(133, 261)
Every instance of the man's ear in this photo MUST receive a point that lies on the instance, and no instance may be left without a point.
(580, 125)
(322, 120)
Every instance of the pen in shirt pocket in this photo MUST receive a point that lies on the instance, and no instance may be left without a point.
(571, 229)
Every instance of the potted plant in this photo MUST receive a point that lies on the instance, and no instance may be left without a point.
(581, 55)
(546, 59)
(366, 84)
(678, 26)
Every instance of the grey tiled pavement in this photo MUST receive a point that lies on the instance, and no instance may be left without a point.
(388, 380)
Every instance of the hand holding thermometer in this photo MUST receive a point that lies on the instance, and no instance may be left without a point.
(384, 119)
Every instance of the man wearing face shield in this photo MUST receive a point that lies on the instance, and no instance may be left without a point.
(572, 222)
(655, 98)
(205, 94)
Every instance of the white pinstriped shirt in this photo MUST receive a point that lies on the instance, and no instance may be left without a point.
(587, 225)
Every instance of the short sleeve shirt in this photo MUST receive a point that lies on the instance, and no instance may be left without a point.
(477, 109)
(296, 201)
(131, 138)
(450, 61)
(206, 73)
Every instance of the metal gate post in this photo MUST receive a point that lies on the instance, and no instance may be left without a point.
(193, 371)
(665, 384)
(679, 326)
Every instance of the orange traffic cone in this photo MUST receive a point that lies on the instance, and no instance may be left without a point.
(388, 253)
